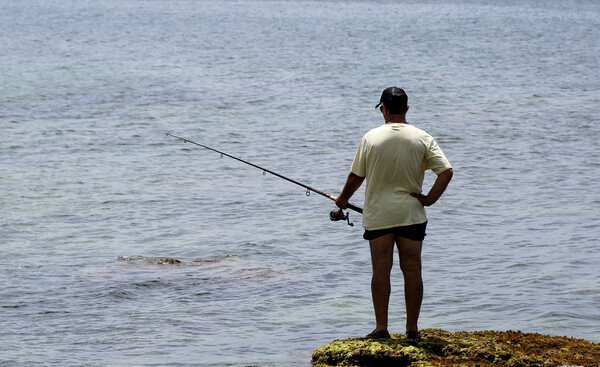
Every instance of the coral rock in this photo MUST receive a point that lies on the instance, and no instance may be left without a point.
(439, 348)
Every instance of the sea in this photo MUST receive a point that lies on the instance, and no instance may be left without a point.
(122, 246)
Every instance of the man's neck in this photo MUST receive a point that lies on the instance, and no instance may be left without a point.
(396, 119)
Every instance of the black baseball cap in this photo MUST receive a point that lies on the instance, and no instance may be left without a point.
(393, 98)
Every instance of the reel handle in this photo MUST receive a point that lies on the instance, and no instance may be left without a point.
(338, 214)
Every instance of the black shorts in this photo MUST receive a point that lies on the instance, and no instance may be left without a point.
(415, 232)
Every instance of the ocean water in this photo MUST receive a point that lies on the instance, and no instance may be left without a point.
(94, 196)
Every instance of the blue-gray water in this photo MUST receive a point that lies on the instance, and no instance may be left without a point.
(93, 194)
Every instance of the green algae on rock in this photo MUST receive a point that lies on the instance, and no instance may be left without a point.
(469, 349)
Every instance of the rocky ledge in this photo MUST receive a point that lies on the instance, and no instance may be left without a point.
(465, 349)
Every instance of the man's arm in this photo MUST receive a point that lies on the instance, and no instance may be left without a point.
(438, 188)
(353, 182)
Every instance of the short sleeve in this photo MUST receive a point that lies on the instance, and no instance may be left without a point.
(359, 165)
(435, 159)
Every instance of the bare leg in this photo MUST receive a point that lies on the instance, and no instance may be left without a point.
(382, 259)
(410, 263)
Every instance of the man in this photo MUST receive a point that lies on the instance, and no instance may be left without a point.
(393, 159)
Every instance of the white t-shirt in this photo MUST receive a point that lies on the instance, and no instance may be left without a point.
(394, 158)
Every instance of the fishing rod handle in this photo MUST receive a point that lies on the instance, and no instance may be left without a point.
(354, 207)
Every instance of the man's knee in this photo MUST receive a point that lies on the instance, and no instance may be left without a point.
(410, 269)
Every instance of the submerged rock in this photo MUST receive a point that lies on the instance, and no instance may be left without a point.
(152, 260)
(169, 261)
(466, 349)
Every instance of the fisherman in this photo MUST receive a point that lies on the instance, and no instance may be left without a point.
(393, 159)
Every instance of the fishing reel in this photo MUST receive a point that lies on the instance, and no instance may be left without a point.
(338, 214)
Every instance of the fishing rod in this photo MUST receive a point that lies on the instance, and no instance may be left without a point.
(335, 215)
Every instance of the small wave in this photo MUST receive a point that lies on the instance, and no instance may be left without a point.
(18, 305)
(120, 294)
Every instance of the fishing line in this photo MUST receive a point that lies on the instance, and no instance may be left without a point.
(334, 215)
